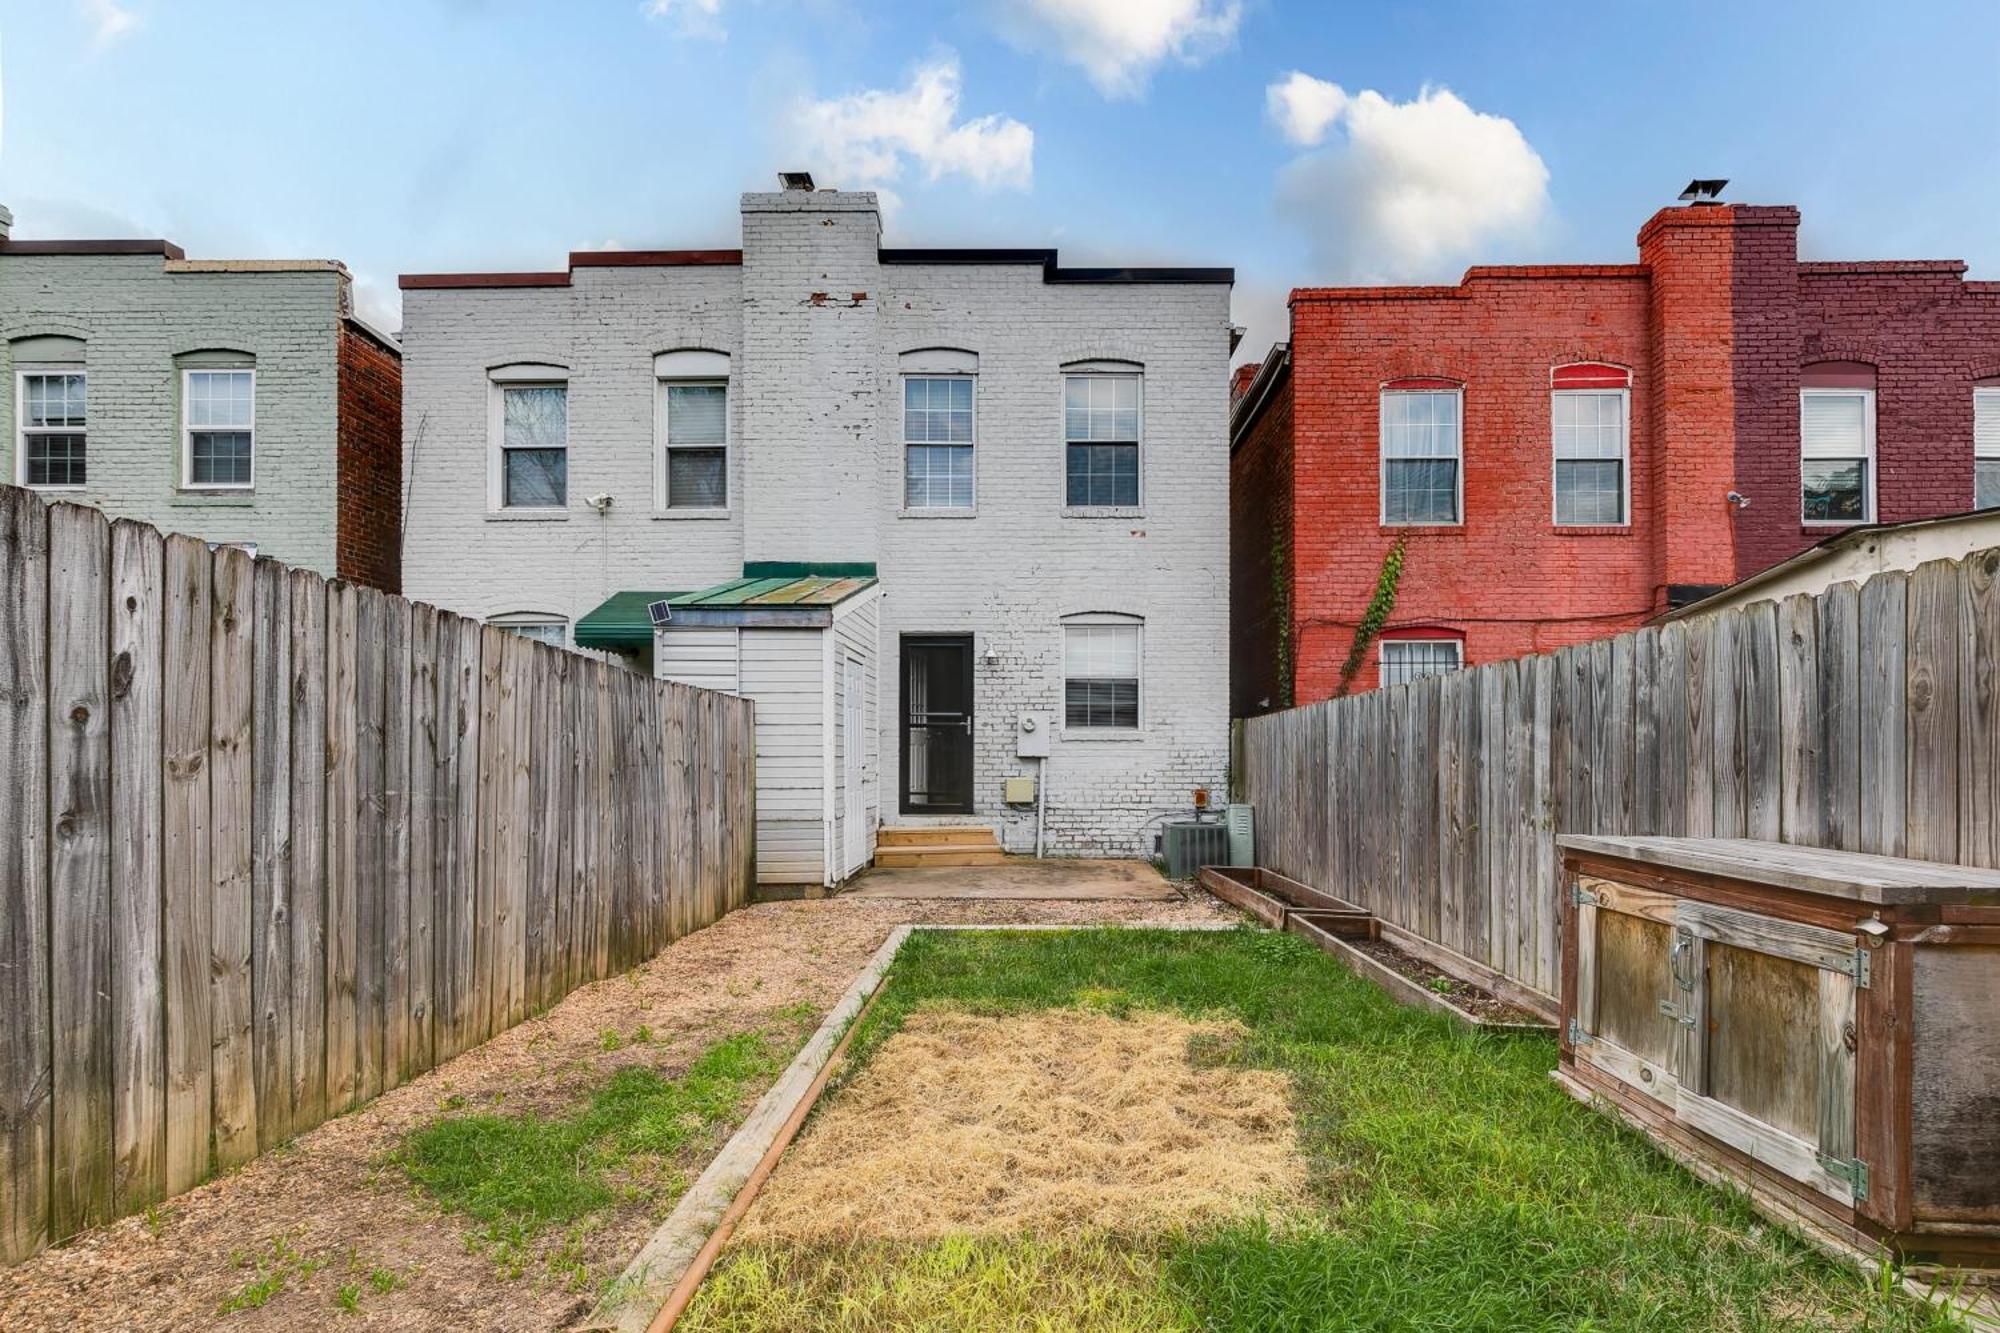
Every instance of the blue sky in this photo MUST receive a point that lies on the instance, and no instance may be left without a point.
(466, 134)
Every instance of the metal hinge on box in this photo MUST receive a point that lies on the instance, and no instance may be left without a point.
(1582, 897)
(1861, 967)
(1577, 1036)
(1851, 1171)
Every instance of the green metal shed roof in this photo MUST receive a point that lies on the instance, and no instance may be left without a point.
(622, 623)
(798, 590)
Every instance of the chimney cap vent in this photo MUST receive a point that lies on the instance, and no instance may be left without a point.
(1703, 191)
(796, 180)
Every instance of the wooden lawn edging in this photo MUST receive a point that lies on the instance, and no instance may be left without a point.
(641, 1293)
(1283, 903)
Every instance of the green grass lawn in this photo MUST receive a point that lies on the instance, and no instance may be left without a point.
(1453, 1185)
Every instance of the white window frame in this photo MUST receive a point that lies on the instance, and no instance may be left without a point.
(1382, 460)
(1137, 625)
(1989, 396)
(21, 431)
(1869, 511)
(903, 432)
(1555, 459)
(1382, 647)
(1100, 370)
(663, 473)
(498, 381)
(514, 622)
(188, 483)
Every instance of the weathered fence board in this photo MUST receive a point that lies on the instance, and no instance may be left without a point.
(278, 844)
(1862, 719)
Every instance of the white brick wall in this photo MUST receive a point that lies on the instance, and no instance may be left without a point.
(135, 317)
(817, 429)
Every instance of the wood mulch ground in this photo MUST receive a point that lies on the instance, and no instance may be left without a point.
(329, 1201)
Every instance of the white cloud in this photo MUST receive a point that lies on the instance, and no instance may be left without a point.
(694, 18)
(867, 137)
(108, 20)
(1303, 107)
(1411, 188)
(1118, 43)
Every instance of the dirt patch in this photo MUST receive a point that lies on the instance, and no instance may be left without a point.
(1038, 1123)
(329, 1215)
(1475, 1000)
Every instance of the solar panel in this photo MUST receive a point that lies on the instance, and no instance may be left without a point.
(662, 611)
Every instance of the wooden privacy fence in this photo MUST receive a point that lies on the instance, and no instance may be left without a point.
(274, 844)
(1863, 719)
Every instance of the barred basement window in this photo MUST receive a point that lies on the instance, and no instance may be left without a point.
(1837, 455)
(219, 413)
(937, 443)
(51, 411)
(1405, 660)
(1420, 456)
(1101, 673)
(1101, 437)
(1986, 448)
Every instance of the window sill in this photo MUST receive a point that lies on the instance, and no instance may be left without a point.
(1408, 529)
(1103, 511)
(683, 515)
(1104, 734)
(1822, 528)
(1591, 529)
(221, 497)
(527, 516)
(57, 490)
(939, 512)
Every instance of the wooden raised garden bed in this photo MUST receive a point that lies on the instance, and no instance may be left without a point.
(1411, 969)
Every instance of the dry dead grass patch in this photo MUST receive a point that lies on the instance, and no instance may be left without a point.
(1038, 1123)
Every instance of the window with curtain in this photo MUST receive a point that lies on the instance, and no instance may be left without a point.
(219, 408)
(1836, 454)
(51, 411)
(1590, 455)
(697, 446)
(1101, 432)
(534, 446)
(1986, 448)
(937, 442)
(1101, 675)
(1420, 455)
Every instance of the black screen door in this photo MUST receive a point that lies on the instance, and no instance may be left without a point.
(937, 724)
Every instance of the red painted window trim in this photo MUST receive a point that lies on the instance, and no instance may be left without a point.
(1837, 375)
(1420, 384)
(1437, 632)
(1590, 375)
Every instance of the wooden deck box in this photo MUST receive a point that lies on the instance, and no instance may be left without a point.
(1822, 1028)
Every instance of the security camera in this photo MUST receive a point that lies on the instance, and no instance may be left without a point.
(1739, 499)
(599, 502)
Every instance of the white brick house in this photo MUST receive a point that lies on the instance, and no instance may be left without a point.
(1030, 463)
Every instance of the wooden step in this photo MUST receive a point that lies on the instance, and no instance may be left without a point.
(938, 854)
(933, 835)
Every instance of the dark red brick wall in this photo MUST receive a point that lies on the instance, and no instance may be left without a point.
(1260, 558)
(368, 539)
(1928, 333)
(1508, 578)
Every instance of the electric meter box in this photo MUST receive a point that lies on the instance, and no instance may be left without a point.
(1031, 737)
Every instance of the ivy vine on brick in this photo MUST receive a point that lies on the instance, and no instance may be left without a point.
(1372, 619)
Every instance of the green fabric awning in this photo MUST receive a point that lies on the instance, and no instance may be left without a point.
(622, 624)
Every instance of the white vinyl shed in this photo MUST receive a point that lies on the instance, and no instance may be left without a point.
(802, 642)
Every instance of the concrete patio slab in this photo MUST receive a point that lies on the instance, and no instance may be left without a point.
(1052, 878)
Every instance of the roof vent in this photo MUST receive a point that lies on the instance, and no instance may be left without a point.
(796, 180)
(1703, 192)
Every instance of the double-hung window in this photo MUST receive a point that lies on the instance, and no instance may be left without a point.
(49, 405)
(1101, 435)
(1986, 447)
(937, 442)
(1591, 450)
(697, 466)
(1101, 673)
(534, 446)
(1405, 660)
(1420, 455)
(1837, 455)
(219, 428)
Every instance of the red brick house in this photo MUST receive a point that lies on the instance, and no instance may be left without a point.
(1565, 451)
